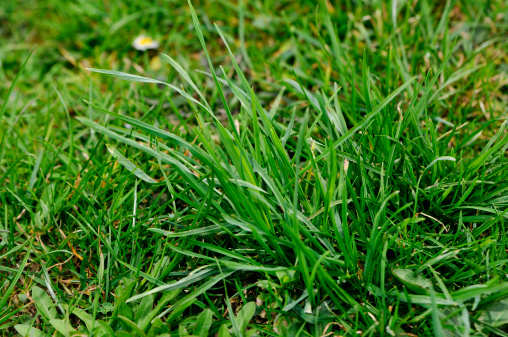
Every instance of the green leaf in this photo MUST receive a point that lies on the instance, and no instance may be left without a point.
(13, 84)
(496, 314)
(224, 331)
(44, 303)
(285, 276)
(144, 323)
(251, 333)
(82, 315)
(158, 328)
(492, 146)
(27, 330)
(182, 331)
(124, 76)
(203, 231)
(202, 274)
(14, 280)
(135, 329)
(121, 307)
(470, 292)
(436, 320)
(245, 315)
(203, 323)
(186, 301)
(184, 74)
(413, 281)
(144, 308)
(154, 131)
(104, 329)
(61, 326)
(179, 307)
(159, 266)
(130, 166)
(15, 249)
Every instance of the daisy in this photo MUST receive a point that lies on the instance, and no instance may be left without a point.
(143, 43)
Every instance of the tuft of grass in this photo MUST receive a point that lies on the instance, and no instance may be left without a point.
(342, 172)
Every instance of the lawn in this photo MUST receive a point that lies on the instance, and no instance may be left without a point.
(266, 168)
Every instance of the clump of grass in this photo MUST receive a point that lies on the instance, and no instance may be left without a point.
(342, 210)
(318, 206)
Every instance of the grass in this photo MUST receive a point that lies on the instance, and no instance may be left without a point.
(296, 169)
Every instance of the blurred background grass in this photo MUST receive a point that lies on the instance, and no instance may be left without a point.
(272, 38)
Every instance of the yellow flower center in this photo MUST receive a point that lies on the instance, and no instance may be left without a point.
(145, 40)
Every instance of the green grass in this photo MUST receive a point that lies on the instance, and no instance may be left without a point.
(296, 169)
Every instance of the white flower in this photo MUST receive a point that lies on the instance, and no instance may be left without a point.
(143, 42)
